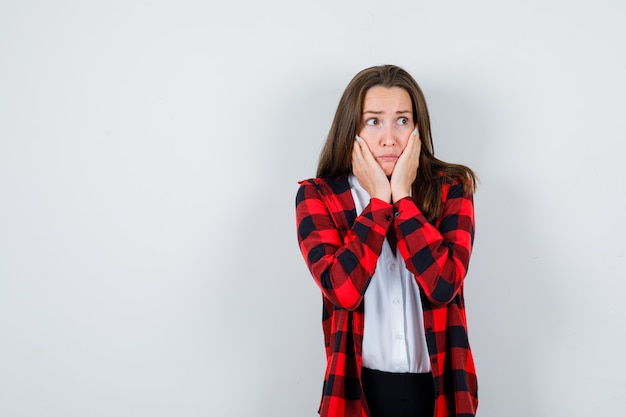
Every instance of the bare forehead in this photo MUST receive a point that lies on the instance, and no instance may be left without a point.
(383, 99)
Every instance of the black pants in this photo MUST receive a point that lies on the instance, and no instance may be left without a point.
(398, 395)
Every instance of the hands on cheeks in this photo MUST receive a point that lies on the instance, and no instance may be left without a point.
(405, 171)
(372, 177)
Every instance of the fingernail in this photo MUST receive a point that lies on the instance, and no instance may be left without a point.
(415, 132)
(358, 139)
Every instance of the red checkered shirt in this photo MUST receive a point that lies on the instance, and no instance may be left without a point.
(341, 250)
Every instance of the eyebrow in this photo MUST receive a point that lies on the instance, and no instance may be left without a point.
(381, 112)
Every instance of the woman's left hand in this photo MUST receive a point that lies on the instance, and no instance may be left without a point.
(405, 171)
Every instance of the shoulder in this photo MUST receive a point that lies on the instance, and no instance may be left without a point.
(453, 186)
(319, 187)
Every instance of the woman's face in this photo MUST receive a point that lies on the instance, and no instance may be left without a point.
(386, 123)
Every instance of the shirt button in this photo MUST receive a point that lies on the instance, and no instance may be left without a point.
(397, 213)
(388, 217)
(396, 301)
(398, 337)
(392, 267)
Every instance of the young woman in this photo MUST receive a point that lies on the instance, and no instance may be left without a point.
(386, 230)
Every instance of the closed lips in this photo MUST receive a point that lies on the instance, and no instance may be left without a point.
(388, 157)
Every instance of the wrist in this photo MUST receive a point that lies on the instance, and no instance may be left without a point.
(399, 195)
(382, 196)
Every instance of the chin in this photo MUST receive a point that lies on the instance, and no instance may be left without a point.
(388, 170)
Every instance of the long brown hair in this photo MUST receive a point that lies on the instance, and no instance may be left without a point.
(336, 156)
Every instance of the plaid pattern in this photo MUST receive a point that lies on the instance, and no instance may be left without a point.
(341, 250)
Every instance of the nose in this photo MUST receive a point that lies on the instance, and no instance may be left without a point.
(388, 137)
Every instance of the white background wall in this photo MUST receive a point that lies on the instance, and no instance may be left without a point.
(149, 154)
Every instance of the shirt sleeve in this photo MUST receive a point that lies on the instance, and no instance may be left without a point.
(437, 256)
(342, 262)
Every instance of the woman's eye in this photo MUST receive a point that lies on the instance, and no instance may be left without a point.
(371, 122)
(403, 121)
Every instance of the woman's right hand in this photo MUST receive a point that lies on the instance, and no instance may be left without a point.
(370, 175)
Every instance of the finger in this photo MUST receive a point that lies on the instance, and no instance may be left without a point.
(416, 136)
(358, 162)
(414, 144)
(418, 145)
(408, 149)
(357, 149)
(362, 144)
(367, 153)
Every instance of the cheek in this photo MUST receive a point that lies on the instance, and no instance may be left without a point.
(388, 168)
(403, 143)
(365, 130)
